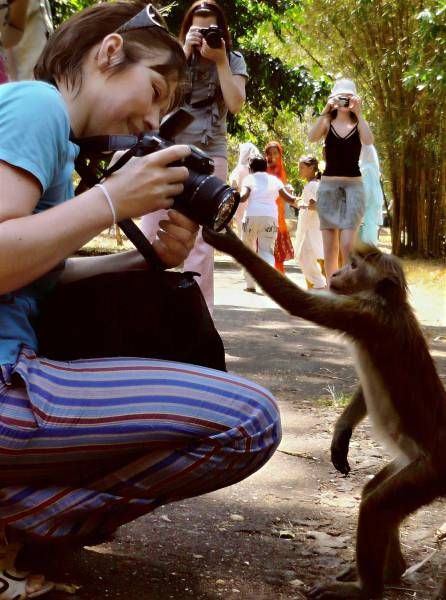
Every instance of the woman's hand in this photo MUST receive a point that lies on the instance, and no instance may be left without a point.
(175, 238)
(216, 55)
(355, 105)
(329, 107)
(193, 40)
(147, 183)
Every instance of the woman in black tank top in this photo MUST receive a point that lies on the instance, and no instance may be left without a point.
(340, 196)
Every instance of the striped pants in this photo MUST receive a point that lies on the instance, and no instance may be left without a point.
(86, 446)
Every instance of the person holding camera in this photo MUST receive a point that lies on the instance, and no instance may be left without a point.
(217, 78)
(340, 201)
(90, 444)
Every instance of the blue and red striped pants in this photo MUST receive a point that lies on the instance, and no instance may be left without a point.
(88, 445)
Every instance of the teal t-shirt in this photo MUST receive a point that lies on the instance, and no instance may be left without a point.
(34, 135)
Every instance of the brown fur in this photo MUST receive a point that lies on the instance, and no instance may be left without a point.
(400, 390)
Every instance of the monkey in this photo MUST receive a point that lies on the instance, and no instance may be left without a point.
(350, 417)
(400, 389)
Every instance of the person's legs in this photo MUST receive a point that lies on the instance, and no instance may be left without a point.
(89, 445)
(330, 238)
(249, 237)
(267, 233)
(149, 223)
(354, 213)
(201, 257)
(347, 240)
(238, 218)
(310, 266)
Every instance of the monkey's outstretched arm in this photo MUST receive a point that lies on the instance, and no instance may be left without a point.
(330, 310)
(353, 414)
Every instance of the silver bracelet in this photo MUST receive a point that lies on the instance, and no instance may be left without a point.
(104, 190)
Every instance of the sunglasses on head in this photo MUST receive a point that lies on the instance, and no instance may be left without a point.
(147, 17)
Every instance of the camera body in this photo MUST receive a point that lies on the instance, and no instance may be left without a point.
(213, 36)
(205, 199)
(343, 101)
(197, 160)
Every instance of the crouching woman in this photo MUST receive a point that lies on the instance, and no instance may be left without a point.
(88, 445)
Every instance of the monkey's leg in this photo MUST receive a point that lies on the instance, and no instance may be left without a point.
(380, 514)
(353, 414)
(395, 565)
(441, 593)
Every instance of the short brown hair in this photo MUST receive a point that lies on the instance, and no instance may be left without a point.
(205, 8)
(64, 54)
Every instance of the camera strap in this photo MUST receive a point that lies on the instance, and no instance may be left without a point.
(216, 93)
(94, 151)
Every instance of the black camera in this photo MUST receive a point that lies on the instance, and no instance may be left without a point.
(343, 101)
(213, 36)
(205, 199)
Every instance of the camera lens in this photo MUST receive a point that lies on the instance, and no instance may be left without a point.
(213, 39)
(207, 201)
(228, 205)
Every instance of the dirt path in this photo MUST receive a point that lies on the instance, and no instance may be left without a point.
(291, 524)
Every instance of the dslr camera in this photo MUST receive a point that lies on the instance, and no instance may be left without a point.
(213, 36)
(343, 101)
(206, 199)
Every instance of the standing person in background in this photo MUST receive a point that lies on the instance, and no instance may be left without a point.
(260, 222)
(31, 21)
(373, 193)
(283, 249)
(12, 26)
(247, 151)
(341, 194)
(309, 246)
(217, 85)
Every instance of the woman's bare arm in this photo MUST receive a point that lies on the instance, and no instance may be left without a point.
(232, 86)
(15, 27)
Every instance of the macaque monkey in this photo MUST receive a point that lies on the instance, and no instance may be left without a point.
(402, 392)
(351, 416)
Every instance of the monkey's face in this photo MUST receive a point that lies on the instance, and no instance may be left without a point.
(371, 271)
(357, 276)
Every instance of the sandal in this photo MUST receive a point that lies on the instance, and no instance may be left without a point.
(13, 586)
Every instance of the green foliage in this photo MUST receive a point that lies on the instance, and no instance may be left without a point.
(395, 51)
(427, 58)
(63, 9)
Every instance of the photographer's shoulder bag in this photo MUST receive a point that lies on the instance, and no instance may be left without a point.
(150, 313)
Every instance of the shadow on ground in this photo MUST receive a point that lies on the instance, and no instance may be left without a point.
(289, 525)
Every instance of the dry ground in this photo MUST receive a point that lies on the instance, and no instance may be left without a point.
(291, 524)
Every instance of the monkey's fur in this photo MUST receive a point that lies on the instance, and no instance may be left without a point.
(402, 393)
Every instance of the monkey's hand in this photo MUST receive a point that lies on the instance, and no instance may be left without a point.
(226, 241)
(339, 449)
